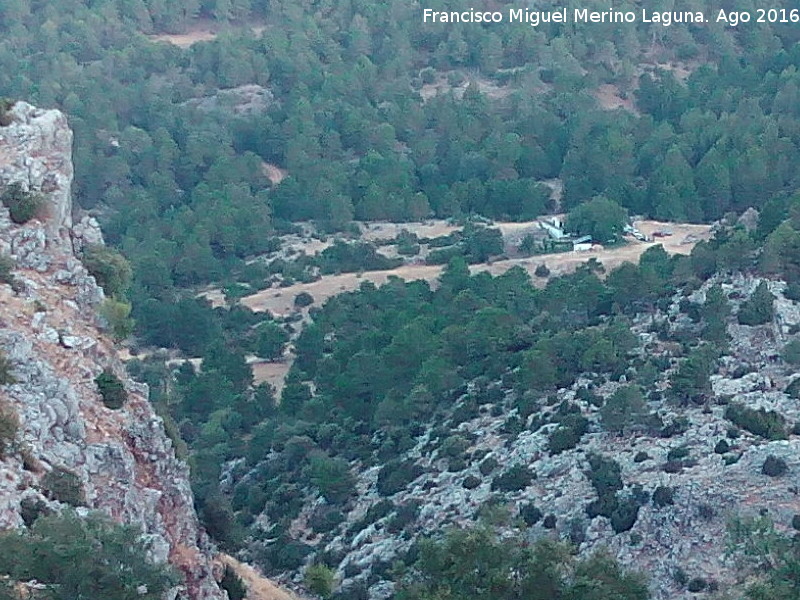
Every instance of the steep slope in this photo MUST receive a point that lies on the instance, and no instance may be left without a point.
(710, 436)
(121, 461)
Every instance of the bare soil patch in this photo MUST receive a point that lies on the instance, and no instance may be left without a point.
(274, 173)
(273, 373)
(442, 85)
(610, 98)
(371, 232)
(201, 30)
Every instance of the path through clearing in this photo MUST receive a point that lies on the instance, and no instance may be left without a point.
(258, 586)
(280, 301)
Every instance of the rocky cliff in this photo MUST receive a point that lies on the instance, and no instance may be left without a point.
(121, 460)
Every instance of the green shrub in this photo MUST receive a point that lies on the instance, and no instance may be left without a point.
(663, 496)
(319, 580)
(624, 516)
(325, 519)
(303, 299)
(791, 352)
(270, 341)
(22, 206)
(766, 423)
(796, 522)
(111, 390)
(626, 407)
(9, 425)
(6, 266)
(542, 271)
(332, 477)
(793, 389)
(774, 466)
(111, 270)
(63, 485)
(118, 317)
(568, 434)
(516, 478)
(698, 584)
(721, 447)
(30, 509)
(233, 584)
(470, 482)
(5, 106)
(396, 475)
(530, 514)
(759, 308)
(405, 515)
(374, 513)
(678, 453)
(488, 465)
(344, 257)
(84, 558)
(404, 249)
(604, 475)
(6, 376)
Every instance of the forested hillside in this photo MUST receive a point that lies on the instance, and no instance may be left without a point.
(197, 159)
(349, 109)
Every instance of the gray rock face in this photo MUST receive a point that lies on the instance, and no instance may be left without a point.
(36, 151)
(86, 232)
(123, 459)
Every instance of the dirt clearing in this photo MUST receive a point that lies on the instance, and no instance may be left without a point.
(201, 30)
(682, 238)
(273, 373)
(371, 232)
(610, 98)
(274, 173)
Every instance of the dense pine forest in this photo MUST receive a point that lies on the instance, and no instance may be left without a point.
(370, 115)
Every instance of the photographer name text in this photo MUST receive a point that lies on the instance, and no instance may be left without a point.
(536, 18)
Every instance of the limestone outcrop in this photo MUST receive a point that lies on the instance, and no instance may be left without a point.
(121, 462)
(36, 151)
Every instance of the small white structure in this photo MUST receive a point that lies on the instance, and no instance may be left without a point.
(582, 247)
(554, 228)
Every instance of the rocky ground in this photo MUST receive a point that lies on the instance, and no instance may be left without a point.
(673, 542)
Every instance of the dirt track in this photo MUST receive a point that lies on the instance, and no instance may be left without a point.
(258, 586)
(280, 301)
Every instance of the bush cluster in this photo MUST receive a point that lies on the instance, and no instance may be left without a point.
(759, 308)
(774, 466)
(9, 425)
(516, 478)
(78, 557)
(605, 476)
(5, 106)
(396, 475)
(766, 423)
(22, 205)
(567, 435)
(111, 270)
(111, 390)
